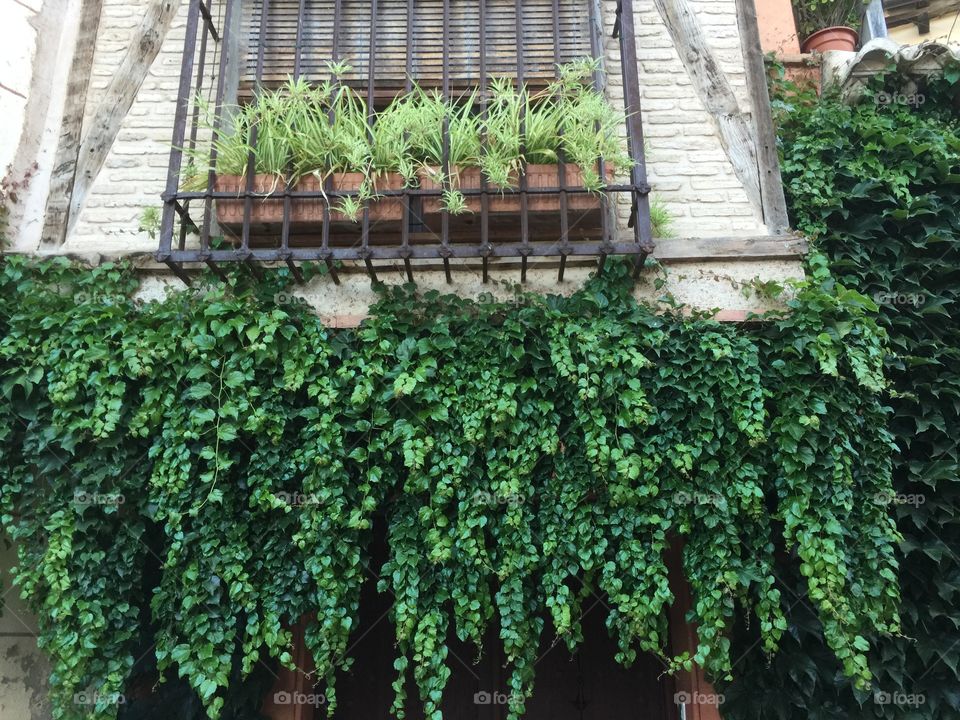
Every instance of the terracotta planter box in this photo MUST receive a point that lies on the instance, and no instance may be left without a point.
(303, 211)
(266, 210)
(538, 176)
(831, 38)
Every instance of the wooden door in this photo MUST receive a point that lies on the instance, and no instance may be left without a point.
(586, 685)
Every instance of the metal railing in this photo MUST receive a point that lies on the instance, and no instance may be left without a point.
(565, 220)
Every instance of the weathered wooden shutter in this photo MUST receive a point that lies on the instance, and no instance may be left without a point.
(352, 42)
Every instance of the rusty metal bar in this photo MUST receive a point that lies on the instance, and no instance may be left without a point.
(484, 198)
(371, 81)
(179, 131)
(408, 86)
(186, 223)
(254, 131)
(218, 121)
(608, 199)
(587, 248)
(561, 167)
(208, 21)
(445, 164)
(419, 192)
(524, 214)
(327, 256)
(287, 202)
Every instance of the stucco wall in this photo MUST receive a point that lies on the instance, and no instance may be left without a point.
(18, 37)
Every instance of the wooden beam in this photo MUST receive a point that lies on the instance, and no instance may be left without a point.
(695, 693)
(771, 184)
(71, 125)
(782, 247)
(715, 92)
(120, 94)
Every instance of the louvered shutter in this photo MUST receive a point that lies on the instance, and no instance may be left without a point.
(426, 43)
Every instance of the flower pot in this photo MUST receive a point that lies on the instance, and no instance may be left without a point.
(831, 38)
(538, 176)
(303, 211)
(262, 210)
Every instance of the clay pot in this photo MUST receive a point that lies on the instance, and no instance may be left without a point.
(262, 210)
(538, 176)
(831, 38)
(386, 209)
(303, 211)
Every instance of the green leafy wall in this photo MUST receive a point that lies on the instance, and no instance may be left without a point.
(184, 478)
(879, 183)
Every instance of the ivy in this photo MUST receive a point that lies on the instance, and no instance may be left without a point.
(876, 182)
(209, 468)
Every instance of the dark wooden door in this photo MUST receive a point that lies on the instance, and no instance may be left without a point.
(586, 685)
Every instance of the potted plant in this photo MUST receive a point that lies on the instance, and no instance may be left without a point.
(828, 24)
(331, 140)
(305, 136)
(528, 133)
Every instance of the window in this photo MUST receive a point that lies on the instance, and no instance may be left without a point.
(543, 208)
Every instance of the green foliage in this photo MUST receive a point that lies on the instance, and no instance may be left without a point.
(877, 183)
(526, 455)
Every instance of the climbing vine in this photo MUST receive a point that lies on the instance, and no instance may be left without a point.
(208, 468)
(874, 181)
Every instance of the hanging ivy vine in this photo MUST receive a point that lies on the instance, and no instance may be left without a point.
(525, 455)
(875, 180)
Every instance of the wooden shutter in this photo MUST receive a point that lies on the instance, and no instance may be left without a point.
(426, 48)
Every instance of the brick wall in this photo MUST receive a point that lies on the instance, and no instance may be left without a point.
(686, 163)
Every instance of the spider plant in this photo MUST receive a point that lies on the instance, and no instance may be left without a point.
(501, 158)
(590, 126)
(329, 134)
(392, 146)
(541, 125)
(263, 121)
(464, 146)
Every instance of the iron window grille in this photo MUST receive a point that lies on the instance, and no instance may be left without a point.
(246, 46)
